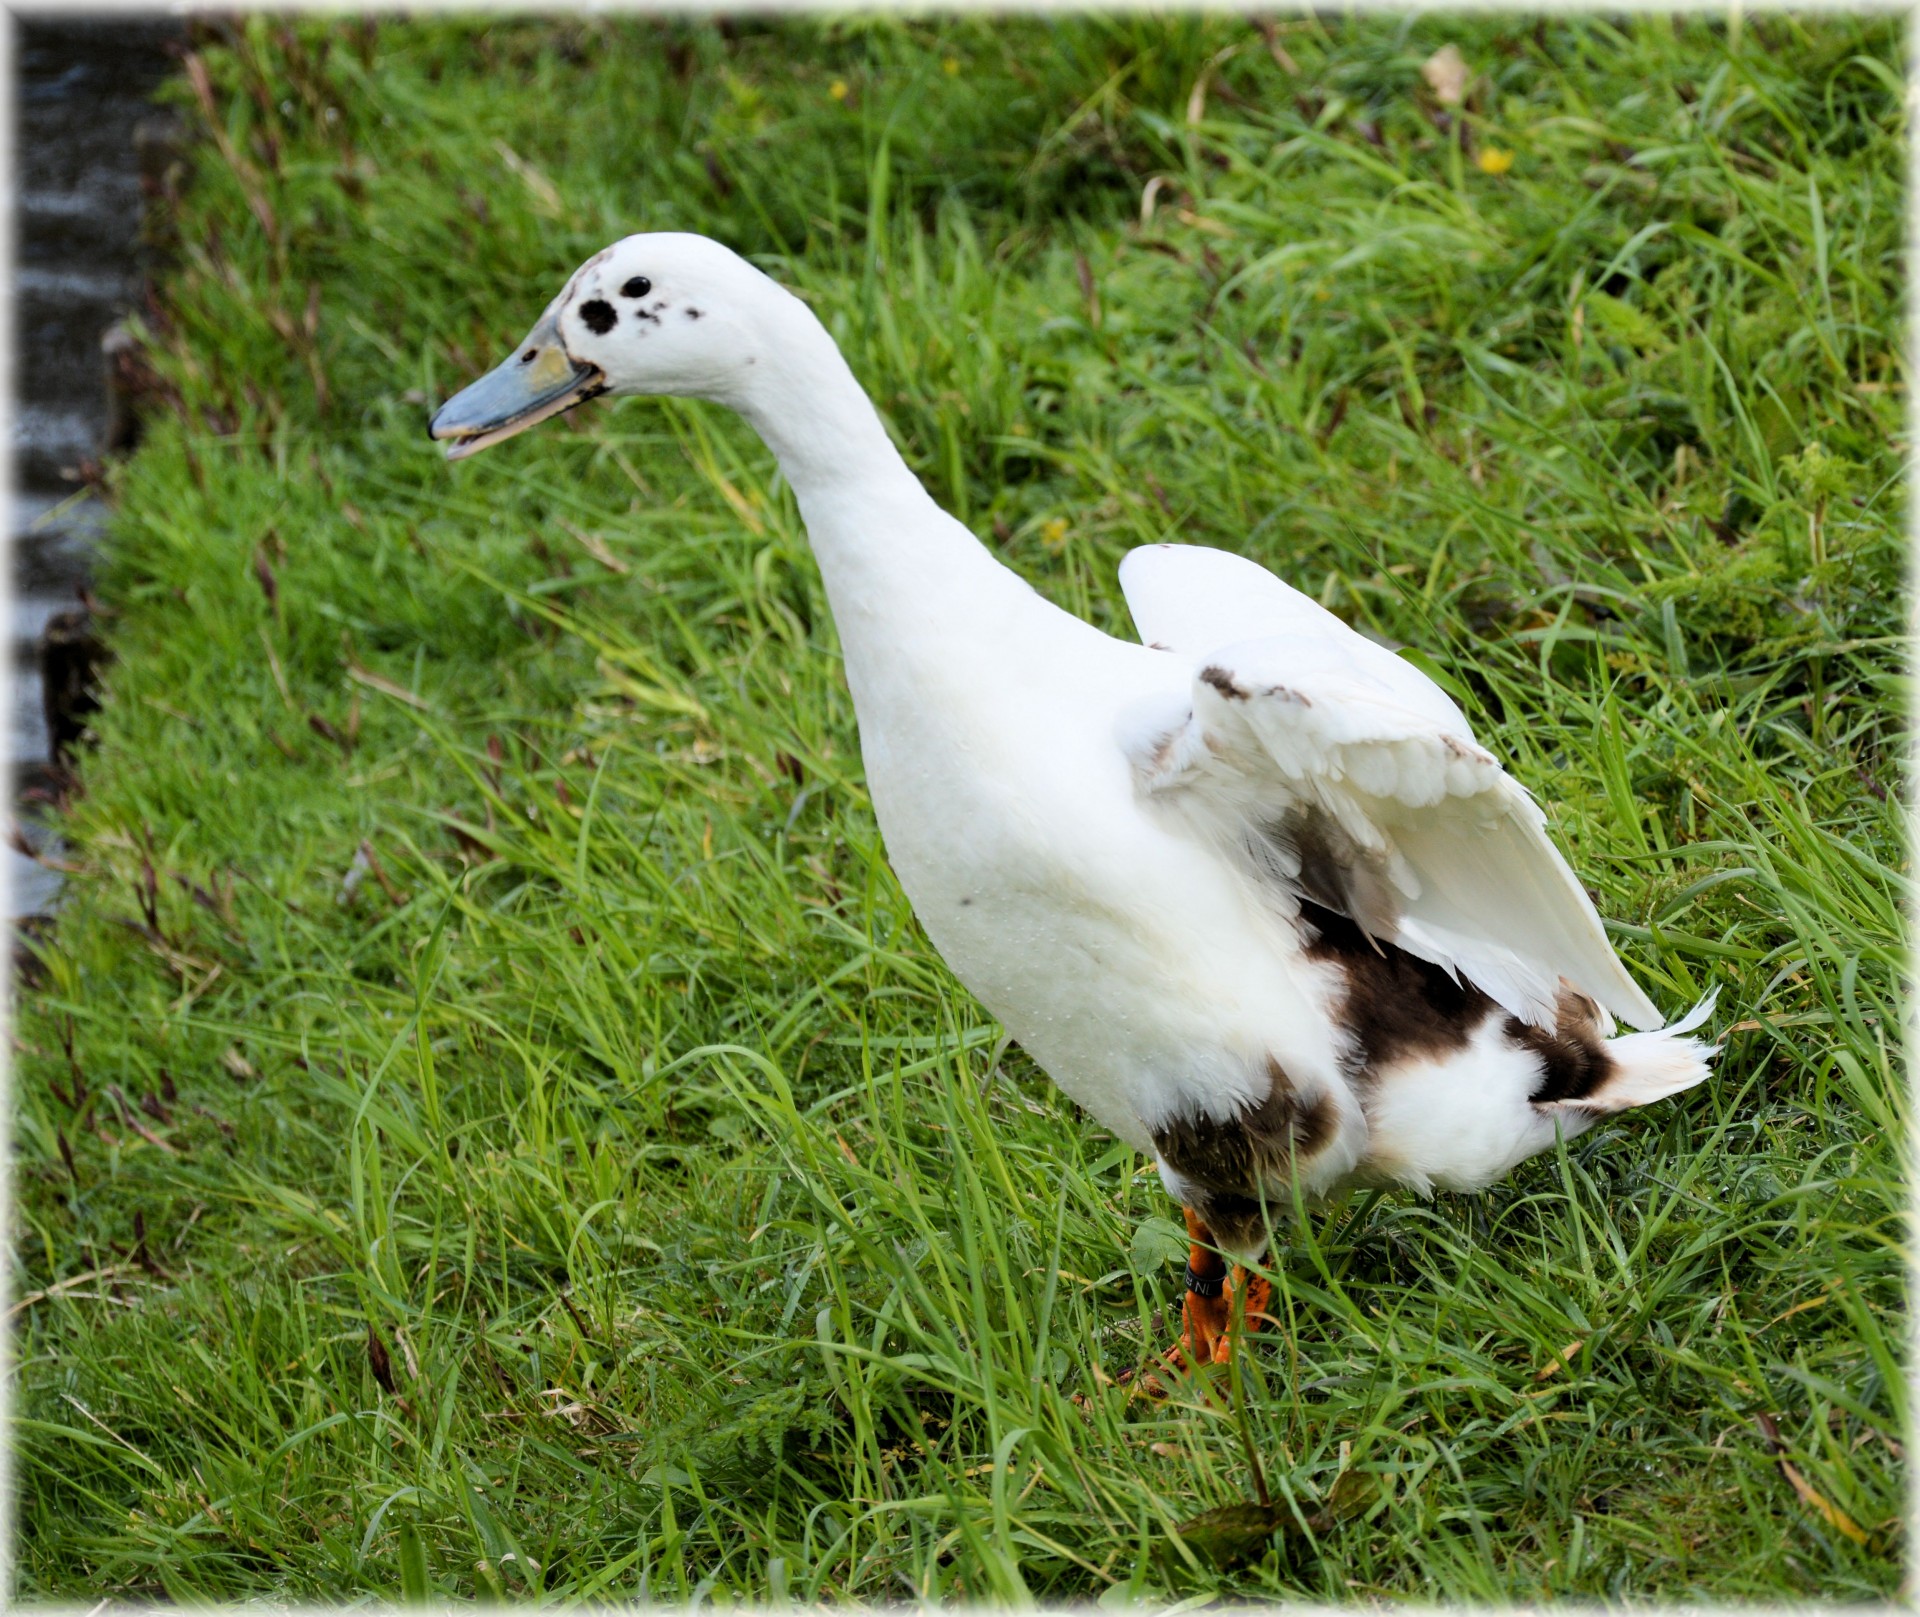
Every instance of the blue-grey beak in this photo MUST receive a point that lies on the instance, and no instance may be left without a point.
(541, 380)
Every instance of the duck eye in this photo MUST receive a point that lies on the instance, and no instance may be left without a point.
(638, 287)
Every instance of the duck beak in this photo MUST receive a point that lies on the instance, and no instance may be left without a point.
(540, 380)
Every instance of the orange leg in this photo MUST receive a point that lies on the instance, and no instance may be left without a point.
(1259, 1297)
(1207, 1310)
(1206, 1316)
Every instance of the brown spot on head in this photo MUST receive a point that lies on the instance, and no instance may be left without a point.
(599, 316)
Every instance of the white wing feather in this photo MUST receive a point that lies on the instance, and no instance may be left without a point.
(1360, 786)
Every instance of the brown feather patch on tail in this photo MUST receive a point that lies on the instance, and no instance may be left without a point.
(1647, 1067)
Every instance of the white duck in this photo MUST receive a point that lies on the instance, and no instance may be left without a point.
(1250, 892)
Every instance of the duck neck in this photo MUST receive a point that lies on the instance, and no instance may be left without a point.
(885, 548)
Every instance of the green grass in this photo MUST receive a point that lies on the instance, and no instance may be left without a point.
(605, 1195)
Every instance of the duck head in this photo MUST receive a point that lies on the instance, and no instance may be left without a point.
(664, 313)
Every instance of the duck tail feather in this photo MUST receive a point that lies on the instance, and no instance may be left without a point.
(1648, 1067)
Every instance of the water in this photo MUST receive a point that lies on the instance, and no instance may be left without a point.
(81, 85)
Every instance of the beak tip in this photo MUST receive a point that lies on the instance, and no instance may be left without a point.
(514, 396)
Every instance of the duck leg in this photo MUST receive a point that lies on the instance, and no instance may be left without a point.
(1206, 1334)
(1214, 1290)
(1206, 1313)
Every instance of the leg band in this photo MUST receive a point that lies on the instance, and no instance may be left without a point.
(1205, 1285)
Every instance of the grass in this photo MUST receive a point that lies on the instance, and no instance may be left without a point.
(487, 1122)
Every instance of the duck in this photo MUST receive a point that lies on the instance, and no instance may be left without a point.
(1247, 889)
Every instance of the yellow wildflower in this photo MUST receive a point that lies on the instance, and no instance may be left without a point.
(838, 89)
(952, 67)
(1054, 532)
(1493, 160)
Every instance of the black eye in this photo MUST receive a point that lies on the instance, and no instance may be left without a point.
(638, 287)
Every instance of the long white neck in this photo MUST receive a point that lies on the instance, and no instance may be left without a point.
(890, 556)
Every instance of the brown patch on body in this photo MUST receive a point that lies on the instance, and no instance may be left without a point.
(1396, 1004)
(1335, 873)
(1230, 1162)
(1222, 682)
(1574, 1054)
(1398, 1007)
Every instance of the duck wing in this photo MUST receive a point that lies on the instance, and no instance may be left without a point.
(1348, 778)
